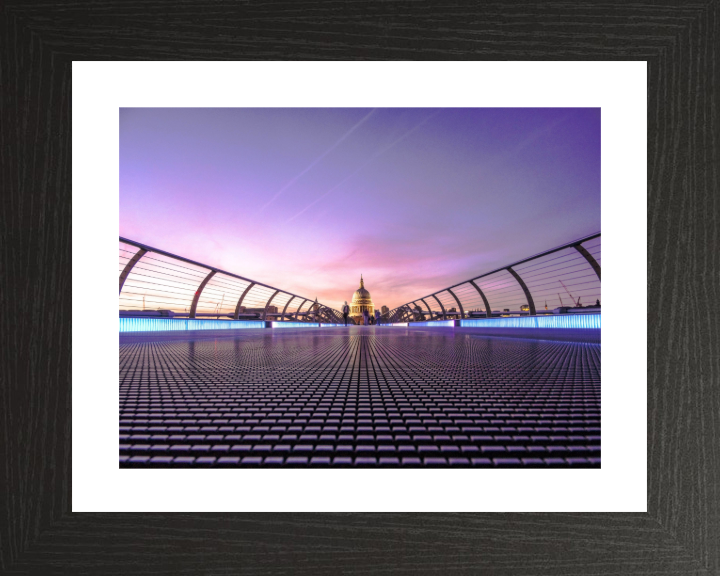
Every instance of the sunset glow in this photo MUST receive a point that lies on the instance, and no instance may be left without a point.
(307, 200)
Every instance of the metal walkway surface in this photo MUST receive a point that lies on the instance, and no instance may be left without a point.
(357, 397)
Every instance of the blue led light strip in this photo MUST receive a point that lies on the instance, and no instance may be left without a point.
(563, 321)
(591, 321)
(162, 324)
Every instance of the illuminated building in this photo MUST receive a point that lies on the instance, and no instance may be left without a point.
(361, 301)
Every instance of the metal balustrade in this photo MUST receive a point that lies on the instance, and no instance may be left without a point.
(565, 279)
(156, 283)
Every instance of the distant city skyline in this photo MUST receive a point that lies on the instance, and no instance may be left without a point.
(308, 199)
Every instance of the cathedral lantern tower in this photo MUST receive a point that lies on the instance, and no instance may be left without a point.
(361, 301)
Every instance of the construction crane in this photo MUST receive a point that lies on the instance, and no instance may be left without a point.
(571, 296)
(219, 306)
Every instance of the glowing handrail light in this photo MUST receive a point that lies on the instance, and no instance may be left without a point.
(591, 321)
(165, 324)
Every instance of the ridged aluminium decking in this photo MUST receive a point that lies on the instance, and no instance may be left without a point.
(357, 396)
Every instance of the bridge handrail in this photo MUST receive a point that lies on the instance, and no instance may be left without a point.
(322, 314)
(524, 282)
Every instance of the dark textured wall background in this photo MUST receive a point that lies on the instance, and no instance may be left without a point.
(680, 532)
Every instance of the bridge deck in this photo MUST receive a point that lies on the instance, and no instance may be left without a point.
(357, 396)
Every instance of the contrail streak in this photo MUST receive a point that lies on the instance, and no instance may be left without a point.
(379, 153)
(296, 178)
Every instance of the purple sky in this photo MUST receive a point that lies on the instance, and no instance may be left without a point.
(307, 199)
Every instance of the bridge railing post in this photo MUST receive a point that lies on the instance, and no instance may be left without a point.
(462, 312)
(441, 306)
(240, 301)
(268, 304)
(529, 297)
(282, 318)
(589, 257)
(411, 313)
(196, 298)
(297, 312)
(488, 312)
(428, 308)
(130, 265)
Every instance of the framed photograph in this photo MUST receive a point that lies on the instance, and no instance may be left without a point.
(646, 505)
(495, 371)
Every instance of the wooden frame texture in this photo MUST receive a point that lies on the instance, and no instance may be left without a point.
(680, 533)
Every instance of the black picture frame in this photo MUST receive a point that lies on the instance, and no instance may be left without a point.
(681, 530)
